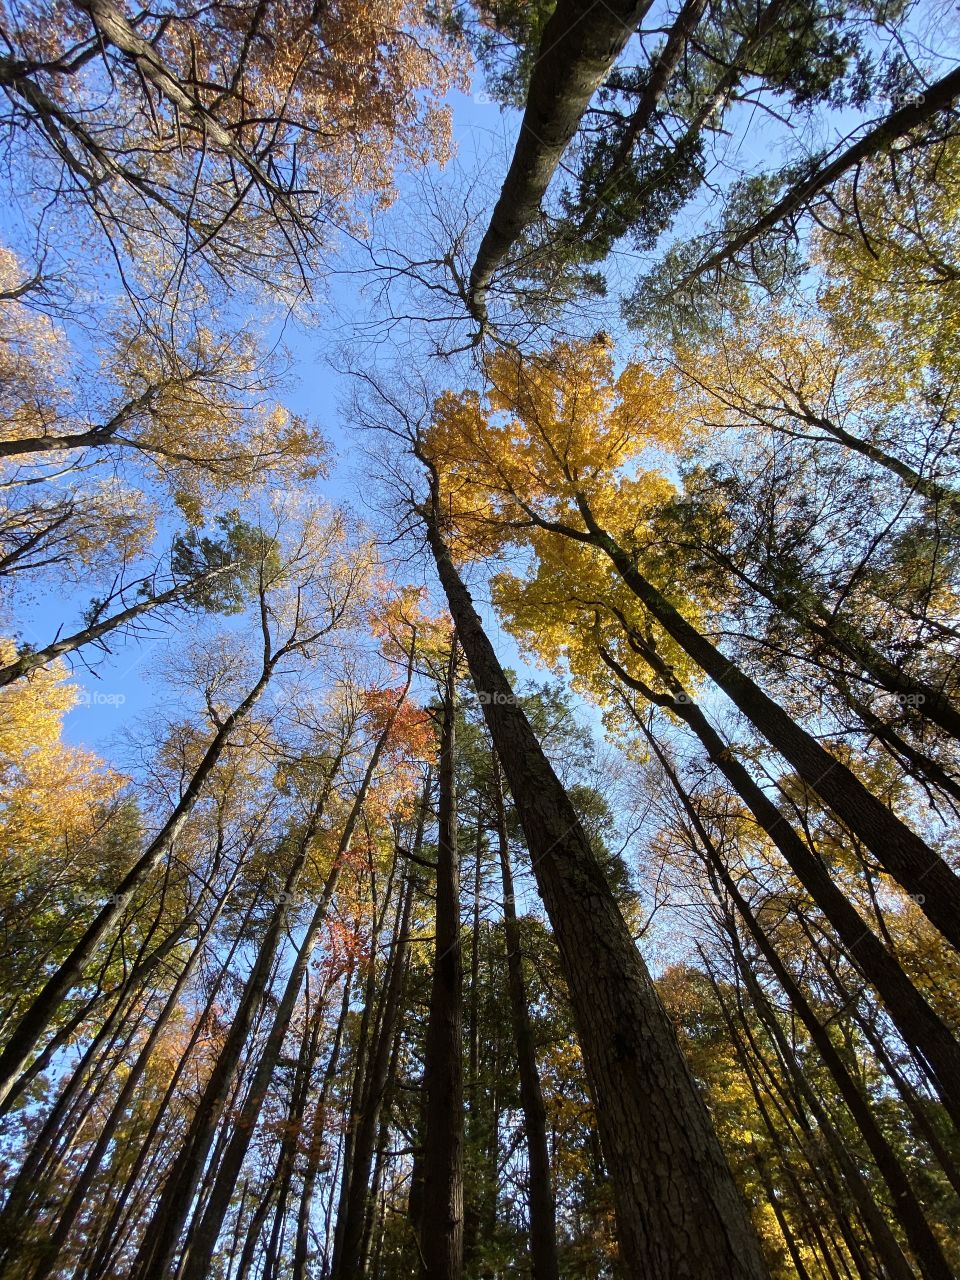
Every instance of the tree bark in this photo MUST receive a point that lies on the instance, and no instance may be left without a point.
(580, 44)
(347, 1258)
(542, 1205)
(906, 1206)
(441, 1234)
(678, 1210)
(916, 1021)
(920, 870)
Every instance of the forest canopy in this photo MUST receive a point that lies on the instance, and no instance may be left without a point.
(480, 640)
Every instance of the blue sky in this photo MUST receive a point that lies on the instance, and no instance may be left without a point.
(126, 686)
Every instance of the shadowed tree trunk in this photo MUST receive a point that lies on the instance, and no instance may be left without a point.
(678, 1210)
(906, 1206)
(441, 1233)
(347, 1257)
(920, 870)
(916, 1021)
(580, 44)
(543, 1211)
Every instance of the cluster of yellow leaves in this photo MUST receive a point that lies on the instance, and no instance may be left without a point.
(554, 429)
(890, 257)
(54, 794)
(553, 426)
(33, 361)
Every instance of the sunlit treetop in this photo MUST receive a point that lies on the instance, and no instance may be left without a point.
(556, 436)
(552, 428)
(889, 255)
(239, 136)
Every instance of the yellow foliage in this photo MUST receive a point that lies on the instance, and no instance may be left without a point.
(554, 431)
(53, 794)
(890, 257)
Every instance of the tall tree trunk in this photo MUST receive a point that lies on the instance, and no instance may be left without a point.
(104, 1247)
(914, 1018)
(441, 1235)
(33, 1024)
(543, 1213)
(580, 44)
(162, 1234)
(348, 1250)
(198, 1251)
(126, 1095)
(920, 870)
(816, 1145)
(906, 1206)
(315, 1147)
(805, 607)
(678, 1209)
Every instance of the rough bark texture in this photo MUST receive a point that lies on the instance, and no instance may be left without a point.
(679, 1215)
(441, 1235)
(543, 1209)
(580, 44)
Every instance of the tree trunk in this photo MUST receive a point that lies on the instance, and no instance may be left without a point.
(162, 1234)
(580, 44)
(441, 1235)
(94, 1159)
(914, 1018)
(347, 1257)
(38, 1017)
(543, 1212)
(198, 1251)
(678, 1210)
(903, 855)
(312, 1171)
(28, 662)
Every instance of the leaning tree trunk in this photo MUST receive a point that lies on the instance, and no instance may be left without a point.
(916, 1021)
(162, 1234)
(543, 1210)
(441, 1234)
(906, 1206)
(94, 1159)
(33, 1024)
(580, 44)
(678, 1210)
(903, 855)
(198, 1252)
